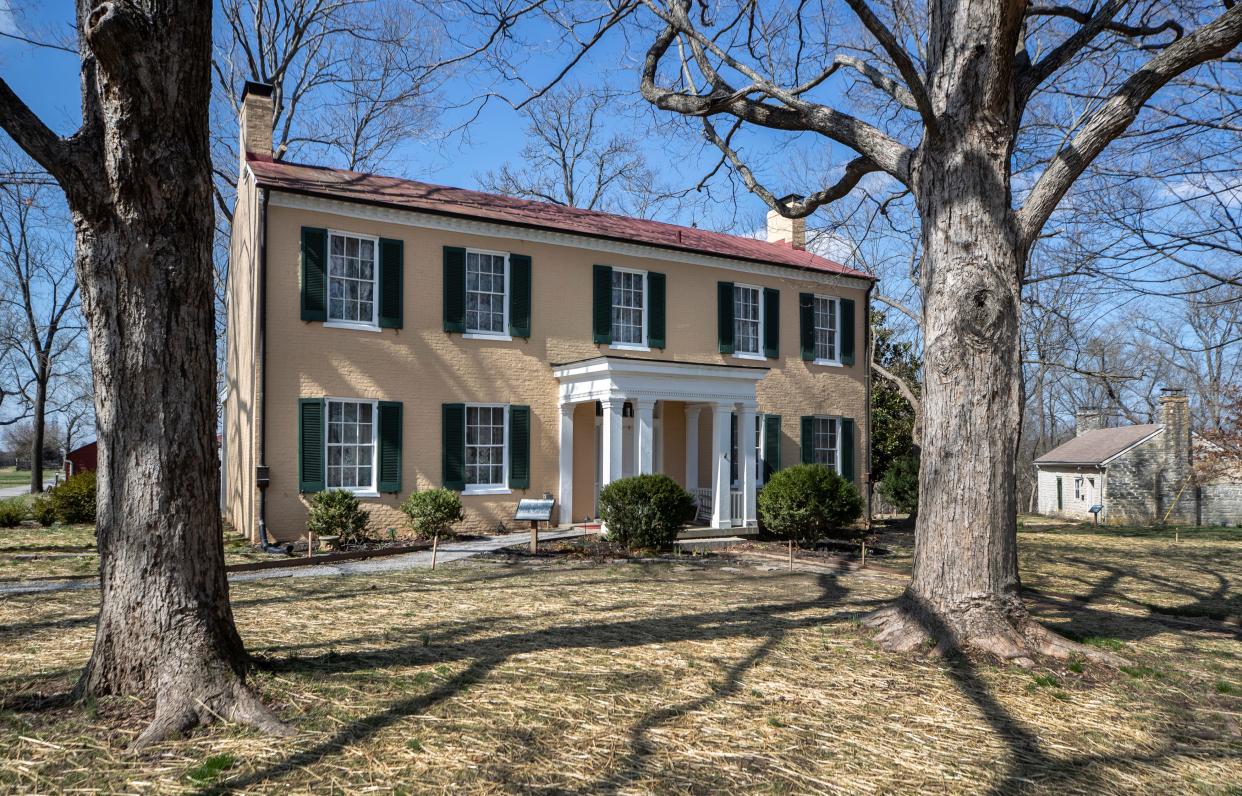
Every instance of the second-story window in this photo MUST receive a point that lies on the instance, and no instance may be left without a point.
(629, 307)
(826, 329)
(747, 320)
(486, 289)
(351, 279)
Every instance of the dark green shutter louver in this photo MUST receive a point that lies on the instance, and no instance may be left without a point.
(314, 274)
(454, 289)
(847, 448)
(806, 325)
(310, 445)
(391, 279)
(771, 445)
(771, 322)
(656, 310)
(389, 476)
(453, 446)
(601, 305)
(724, 316)
(519, 447)
(847, 331)
(519, 295)
(808, 440)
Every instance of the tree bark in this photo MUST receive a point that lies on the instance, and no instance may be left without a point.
(39, 423)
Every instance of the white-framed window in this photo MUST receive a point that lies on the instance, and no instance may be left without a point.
(487, 447)
(747, 320)
(487, 292)
(825, 442)
(351, 445)
(827, 329)
(353, 274)
(1079, 493)
(735, 456)
(629, 307)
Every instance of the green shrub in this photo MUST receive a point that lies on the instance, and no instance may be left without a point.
(73, 500)
(43, 510)
(900, 484)
(433, 512)
(337, 512)
(12, 512)
(645, 511)
(808, 502)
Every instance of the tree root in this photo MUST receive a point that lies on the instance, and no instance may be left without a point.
(1004, 631)
(177, 711)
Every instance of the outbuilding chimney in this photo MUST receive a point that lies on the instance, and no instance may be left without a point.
(255, 121)
(1087, 418)
(1175, 417)
(787, 230)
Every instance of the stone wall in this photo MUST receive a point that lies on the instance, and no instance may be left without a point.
(1133, 485)
(1220, 504)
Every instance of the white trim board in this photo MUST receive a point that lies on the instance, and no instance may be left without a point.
(510, 232)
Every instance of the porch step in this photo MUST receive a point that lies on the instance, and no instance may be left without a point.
(708, 543)
(712, 533)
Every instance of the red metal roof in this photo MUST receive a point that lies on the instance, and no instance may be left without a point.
(443, 200)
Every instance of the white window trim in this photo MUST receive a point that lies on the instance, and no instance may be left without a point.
(644, 345)
(489, 489)
(476, 334)
(836, 363)
(361, 326)
(837, 418)
(359, 491)
(759, 338)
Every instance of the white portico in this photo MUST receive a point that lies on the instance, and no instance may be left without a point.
(632, 397)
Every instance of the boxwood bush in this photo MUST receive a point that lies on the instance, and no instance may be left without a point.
(12, 512)
(433, 512)
(337, 512)
(809, 502)
(645, 511)
(900, 484)
(73, 500)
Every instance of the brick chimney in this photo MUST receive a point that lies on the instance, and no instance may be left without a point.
(787, 230)
(255, 120)
(1087, 418)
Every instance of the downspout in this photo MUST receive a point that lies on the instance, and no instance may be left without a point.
(867, 388)
(261, 475)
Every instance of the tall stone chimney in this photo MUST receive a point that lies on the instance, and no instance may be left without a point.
(787, 230)
(1175, 417)
(255, 120)
(1087, 418)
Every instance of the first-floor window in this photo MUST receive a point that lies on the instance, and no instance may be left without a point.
(485, 292)
(735, 456)
(351, 278)
(485, 446)
(628, 302)
(746, 320)
(826, 328)
(824, 442)
(351, 445)
(1078, 492)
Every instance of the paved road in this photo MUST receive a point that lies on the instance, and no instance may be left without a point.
(449, 551)
(18, 491)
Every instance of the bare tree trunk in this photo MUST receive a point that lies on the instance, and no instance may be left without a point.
(40, 427)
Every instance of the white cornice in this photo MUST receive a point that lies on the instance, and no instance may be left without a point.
(470, 226)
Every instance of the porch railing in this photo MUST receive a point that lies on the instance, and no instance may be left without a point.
(703, 503)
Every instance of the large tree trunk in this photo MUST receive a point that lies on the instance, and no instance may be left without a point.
(165, 628)
(39, 424)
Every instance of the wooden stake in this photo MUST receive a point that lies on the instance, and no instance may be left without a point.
(310, 543)
(791, 555)
(435, 542)
(534, 536)
(864, 554)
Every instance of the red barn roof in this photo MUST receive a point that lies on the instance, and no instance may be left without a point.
(442, 200)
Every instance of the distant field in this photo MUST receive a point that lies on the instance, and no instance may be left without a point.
(11, 476)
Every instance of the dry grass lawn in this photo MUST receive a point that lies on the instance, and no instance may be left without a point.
(700, 677)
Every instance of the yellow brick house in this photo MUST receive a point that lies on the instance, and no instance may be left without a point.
(386, 335)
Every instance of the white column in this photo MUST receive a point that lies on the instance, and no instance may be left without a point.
(746, 452)
(644, 436)
(692, 446)
(721, 414)
(566, 493)
(610, 441)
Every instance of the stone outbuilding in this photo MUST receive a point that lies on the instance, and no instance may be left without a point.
(1137, 474)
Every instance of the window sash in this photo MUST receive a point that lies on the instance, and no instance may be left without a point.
(487, 445)
(487, 292)
(629, 307)
(353, 278)
(825, 442)
(735, 466)
(827, 315)
(747, 320)
(349, 445)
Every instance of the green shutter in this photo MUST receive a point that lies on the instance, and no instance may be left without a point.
(806, 325)
(391, 279)
(724, 316)
(519, 295)
(847, 331)
(389, 475)
(314, 274)
(601, 315)
(771, 445)
(454, 289)
(453, 446)
(519, 447)
(847, 448)
(656, 311)
(310, 445)
(808, 439)
(771, 322)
